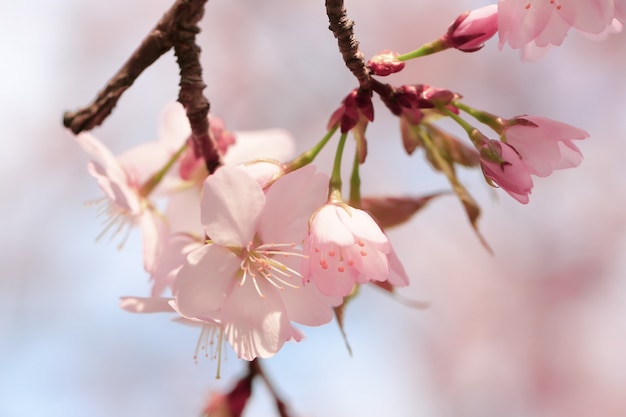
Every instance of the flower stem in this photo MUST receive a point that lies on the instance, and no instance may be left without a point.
(334, 192)
(491, 120)
(474, 134)
(355, 184)
(427, 49)
(307, 157)
(157, 177)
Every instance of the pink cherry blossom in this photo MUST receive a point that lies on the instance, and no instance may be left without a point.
(544, 144)
(502, 165)
(541, 23)
(181, 193)
(345, 246)
(125, 201)
(236, 148)
(247, 277)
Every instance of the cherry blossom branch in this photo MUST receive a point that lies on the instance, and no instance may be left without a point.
(177, 28)
(342, 26)
(254, 368)
(158, 42)
(191, 86)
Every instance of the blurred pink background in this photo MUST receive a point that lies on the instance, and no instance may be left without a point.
(539, 329)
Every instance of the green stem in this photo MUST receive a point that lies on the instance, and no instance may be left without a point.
(157, 177)
(307, 157)
(477, 138)
(334, 192)
(430, 48)
(491, 120)
(355, 184)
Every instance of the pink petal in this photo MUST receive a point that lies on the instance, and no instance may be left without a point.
(263, 171)
(290, 202)
(591, 16)
(183, 212)
(518, 25)
(397, 274)
(231, 204)
(512, 176)
(554, 33)
(153, 232)
(327, 227)
(370, 262)
(362, 225)
(116, 189)
(306, 305)
(275, 144)
(255, 326)
(547, 145)
(174, 126)
(570, 156)
(142, 161)
(532, 52)
(102, 156)
(205, 280)
(171, 258)
(331, 280)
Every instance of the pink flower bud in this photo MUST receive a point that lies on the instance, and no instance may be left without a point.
(385, 63)
(501, 164)
(472, 29)
(356, 108)
(439, 96)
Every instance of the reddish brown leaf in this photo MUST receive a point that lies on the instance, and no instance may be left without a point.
(393, 211)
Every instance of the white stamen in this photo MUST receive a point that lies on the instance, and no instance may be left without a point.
(261, 260)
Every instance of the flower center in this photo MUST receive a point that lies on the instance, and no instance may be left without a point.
(259, 261)
(117, 219)
(337, 256)
(552, 2)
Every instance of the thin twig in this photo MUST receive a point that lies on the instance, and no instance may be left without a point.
(158, 42)
(342, 28)
(191, 86)
(177, 28)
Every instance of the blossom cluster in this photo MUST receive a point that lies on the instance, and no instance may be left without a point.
(248, 250)
(265, 243)
(531, 145)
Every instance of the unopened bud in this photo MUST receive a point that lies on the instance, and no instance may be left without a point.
(385, 63)
(439, 96)
(472, 29)
(355, 106)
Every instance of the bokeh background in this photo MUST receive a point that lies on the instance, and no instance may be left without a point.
(538, 329)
